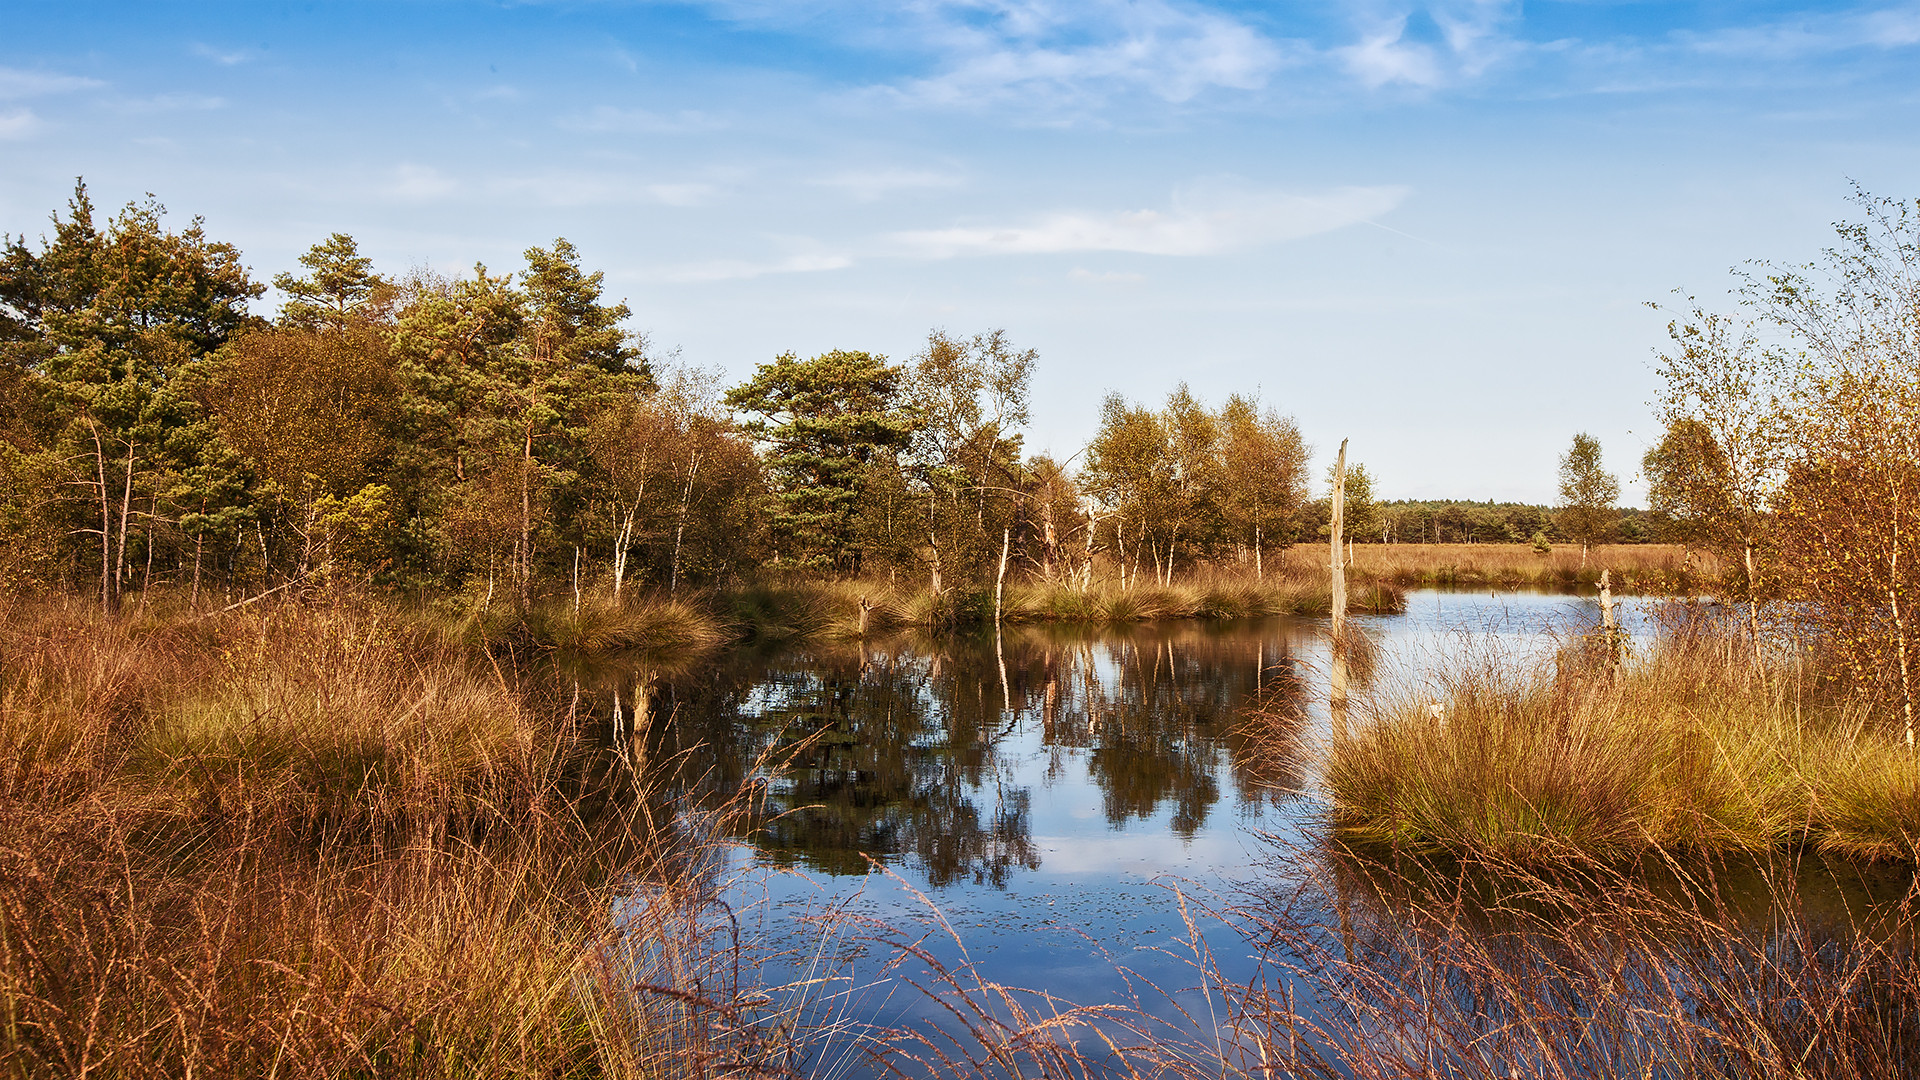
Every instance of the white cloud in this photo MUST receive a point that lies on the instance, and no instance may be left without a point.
(1472, 38)
(18, 123)
(1383, 56)
(15, 83)
(870, 185)
(1201, 221)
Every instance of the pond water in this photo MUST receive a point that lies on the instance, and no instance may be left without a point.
(1030, 808)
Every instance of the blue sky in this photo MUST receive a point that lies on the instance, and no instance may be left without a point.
(1429, 227)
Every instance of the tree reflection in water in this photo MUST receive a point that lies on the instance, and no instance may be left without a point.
(925, 752)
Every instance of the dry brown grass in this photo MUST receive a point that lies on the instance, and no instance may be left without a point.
(327, 841)
(1650, 568)
(1684, 747)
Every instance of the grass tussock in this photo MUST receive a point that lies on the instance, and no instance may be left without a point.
(335, 841)
(1687, 748)
(1209, 596)
(1660, 569)
(347, 713)
(642, 624)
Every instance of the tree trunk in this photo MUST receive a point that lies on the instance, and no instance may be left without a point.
(680, 528)
(126, 513)
(106, 521)
(1259, 570)
(1900, 633)
(146, 579)
(199, 547)
(1337, 670)
(621, 541)
(526, 516)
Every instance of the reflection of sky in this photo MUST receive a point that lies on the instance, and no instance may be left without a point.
(1101, 898)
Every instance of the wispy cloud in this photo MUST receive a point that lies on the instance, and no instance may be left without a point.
(1204, 220)
(1811, 35)
(1105, 277)
(1038, 53)
(1059, 53)
(223, 57)
(15, 83)
(418, 183)
(18, 123)
(871, 185)
(1466, 38)
(739, 269)
(575, 188)
(609, 119)
(170, 102)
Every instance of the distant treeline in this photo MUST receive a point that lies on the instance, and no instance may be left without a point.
(506, 436)
(1433, 521)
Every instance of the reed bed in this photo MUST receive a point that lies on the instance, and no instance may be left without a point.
(1658, 569)
(1688, 748)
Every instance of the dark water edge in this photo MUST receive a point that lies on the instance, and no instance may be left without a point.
(1091, 814)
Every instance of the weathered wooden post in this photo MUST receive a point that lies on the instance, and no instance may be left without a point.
(1000, 580)
(1608, 626)
(1337, 671)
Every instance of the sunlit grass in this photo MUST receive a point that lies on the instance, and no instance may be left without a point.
(1650, 568)
(1687, 748)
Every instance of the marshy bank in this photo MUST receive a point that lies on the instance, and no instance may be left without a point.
(801, 609)
(1694, 742)
(1653, 569)
(354, 841)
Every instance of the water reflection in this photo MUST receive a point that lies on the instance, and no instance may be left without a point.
(926, 752)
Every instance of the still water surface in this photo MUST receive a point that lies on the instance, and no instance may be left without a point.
(1033, 805)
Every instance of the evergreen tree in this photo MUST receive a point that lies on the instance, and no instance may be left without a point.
(823, 422)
